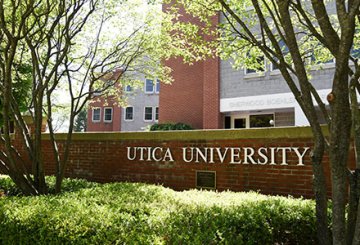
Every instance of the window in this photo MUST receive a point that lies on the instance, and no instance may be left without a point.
(128, 88)
(355, 53)
(148, 114)
(149, 86)
(284, 51)
(96, 114)
(261, 121)
(239, 122)
(156, 113)
(129, 113)
(258, 67)
(227, 122)
(321, 57)
(157, 86)
(108, 113)
(11, 128)
(318, 62)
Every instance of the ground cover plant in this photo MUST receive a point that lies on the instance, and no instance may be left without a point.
(134, 213)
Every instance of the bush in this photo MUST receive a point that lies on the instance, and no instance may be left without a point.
(170, 126)
(125, 213)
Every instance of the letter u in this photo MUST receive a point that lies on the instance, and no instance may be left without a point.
(184, 154)
(129, 157)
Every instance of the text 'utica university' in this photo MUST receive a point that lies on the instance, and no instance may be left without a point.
(221, 155)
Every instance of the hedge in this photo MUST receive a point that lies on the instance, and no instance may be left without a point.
(134, 213)
(170, 126)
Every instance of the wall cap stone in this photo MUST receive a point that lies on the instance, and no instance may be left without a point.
(186, 135)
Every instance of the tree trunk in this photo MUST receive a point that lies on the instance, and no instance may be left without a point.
(353, 222)
(319, 186)
(63, 162)
(339, 148)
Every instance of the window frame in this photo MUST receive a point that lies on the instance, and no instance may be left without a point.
(92, 114)
(261, 114)
(157, 86)
(285, 51)
(112, 114)
(11, 128)
(256, 73)
(145, 89)
(156, 108)
(126, 88)
(152, 112)
(129, 120)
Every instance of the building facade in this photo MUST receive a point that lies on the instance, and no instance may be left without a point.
(213, 95)
(141, 111)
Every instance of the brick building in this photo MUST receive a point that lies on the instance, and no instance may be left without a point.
(213, 95)
(142, 109)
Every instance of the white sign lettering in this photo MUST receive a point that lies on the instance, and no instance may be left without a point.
(233, 155)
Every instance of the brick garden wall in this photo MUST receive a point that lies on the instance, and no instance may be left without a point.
(103, 157)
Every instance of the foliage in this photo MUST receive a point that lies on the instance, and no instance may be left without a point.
(90, 213)
(170, 126)
(21, 87)
(80, 121)
(78, 49)
(296, 37)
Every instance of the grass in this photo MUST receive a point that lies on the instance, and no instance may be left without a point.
(134, 213)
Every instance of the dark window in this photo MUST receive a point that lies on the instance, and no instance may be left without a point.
(239, 123)
(355, 53)
(129, 113)
(261, 121)
(108, 114)
(11, 128)
(227, 122)
(156, 113)
(157, 86)
(148, 114)
(96, 114)
(284, 51)
(128, 88)
(149, 86)
(260, 66)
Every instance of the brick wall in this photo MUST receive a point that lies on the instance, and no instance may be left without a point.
(193, 97)
(182, 101)
(103, 157)
(101, 126)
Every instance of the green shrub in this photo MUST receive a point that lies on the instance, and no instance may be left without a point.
(170, 126)
(133, 213)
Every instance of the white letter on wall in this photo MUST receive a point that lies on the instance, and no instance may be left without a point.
(233, 155)
(131, 158)
(300, 156)
(154, 154)
(284, 149)
(263, 156)
(184, 150)
(168, 155)
(248, 153)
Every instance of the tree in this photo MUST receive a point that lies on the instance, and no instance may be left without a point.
(21, 88)
(73, 45)
(80, 121)
(288, 33)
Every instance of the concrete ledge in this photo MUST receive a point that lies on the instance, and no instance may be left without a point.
(261, 133)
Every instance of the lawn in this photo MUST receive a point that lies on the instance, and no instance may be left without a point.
(134, 213)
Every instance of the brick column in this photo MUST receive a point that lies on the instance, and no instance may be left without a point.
(211, 99)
